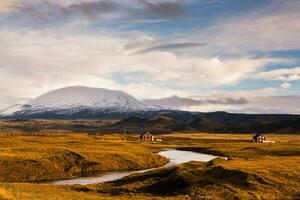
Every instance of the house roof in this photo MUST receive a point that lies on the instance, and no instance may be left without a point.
(257, 135)
(145, 134)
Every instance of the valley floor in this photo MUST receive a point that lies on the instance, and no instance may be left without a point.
(252, 171)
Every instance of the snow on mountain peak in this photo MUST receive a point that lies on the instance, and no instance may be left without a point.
(80, 96)
(70, 100)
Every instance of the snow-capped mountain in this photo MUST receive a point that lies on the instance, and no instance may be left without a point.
(77, 100)
(79, 96)
(11, 110)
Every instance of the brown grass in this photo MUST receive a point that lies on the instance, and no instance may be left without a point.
(38, 158)
(5, 195)
(253, 171)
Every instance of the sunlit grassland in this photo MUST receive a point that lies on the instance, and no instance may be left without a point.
(253, 171)
(39, 158)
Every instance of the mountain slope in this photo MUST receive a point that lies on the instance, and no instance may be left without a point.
(139, 124)
(12, 109)
(77, 102)
(78, 96)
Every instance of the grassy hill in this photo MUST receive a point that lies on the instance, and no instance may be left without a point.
(39, 158)
(252, 171)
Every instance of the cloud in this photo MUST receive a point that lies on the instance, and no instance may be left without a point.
(47, 10)
(168, 68)
(218, 71)
(228, 101)
(284, 74)
(90, 8)
(260, 101)
(65, 10)
(272, 105)
(65, 58)
(6, 101)
(8, 6)
(176, 102)
(166, 9)
(174, 46)
(236, 103)
(285, 85)
(61, 54)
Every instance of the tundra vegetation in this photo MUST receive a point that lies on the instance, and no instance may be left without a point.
(252, 170)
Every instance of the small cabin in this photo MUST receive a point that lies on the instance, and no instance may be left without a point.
(259, 138)
(147, 137)
(158, 140)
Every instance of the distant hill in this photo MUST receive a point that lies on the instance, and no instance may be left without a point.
(140, 124)
(217, 122)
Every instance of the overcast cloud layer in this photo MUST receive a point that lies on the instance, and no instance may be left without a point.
(238, 56)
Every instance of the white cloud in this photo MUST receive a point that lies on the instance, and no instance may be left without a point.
(285, 85)
(237, 102)
(284, 74)
(6, 101)
(34, 62)
(258, 105)
(273, 104)
(261, 101)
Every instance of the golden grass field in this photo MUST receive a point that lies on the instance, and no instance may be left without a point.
(253, 171)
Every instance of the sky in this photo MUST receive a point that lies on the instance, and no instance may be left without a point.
(205, 55)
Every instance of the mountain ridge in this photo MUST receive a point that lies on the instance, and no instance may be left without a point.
(76, 99)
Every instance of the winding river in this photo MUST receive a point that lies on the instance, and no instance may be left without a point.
(175, 157)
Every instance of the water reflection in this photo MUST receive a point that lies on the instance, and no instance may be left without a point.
(175, 157)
